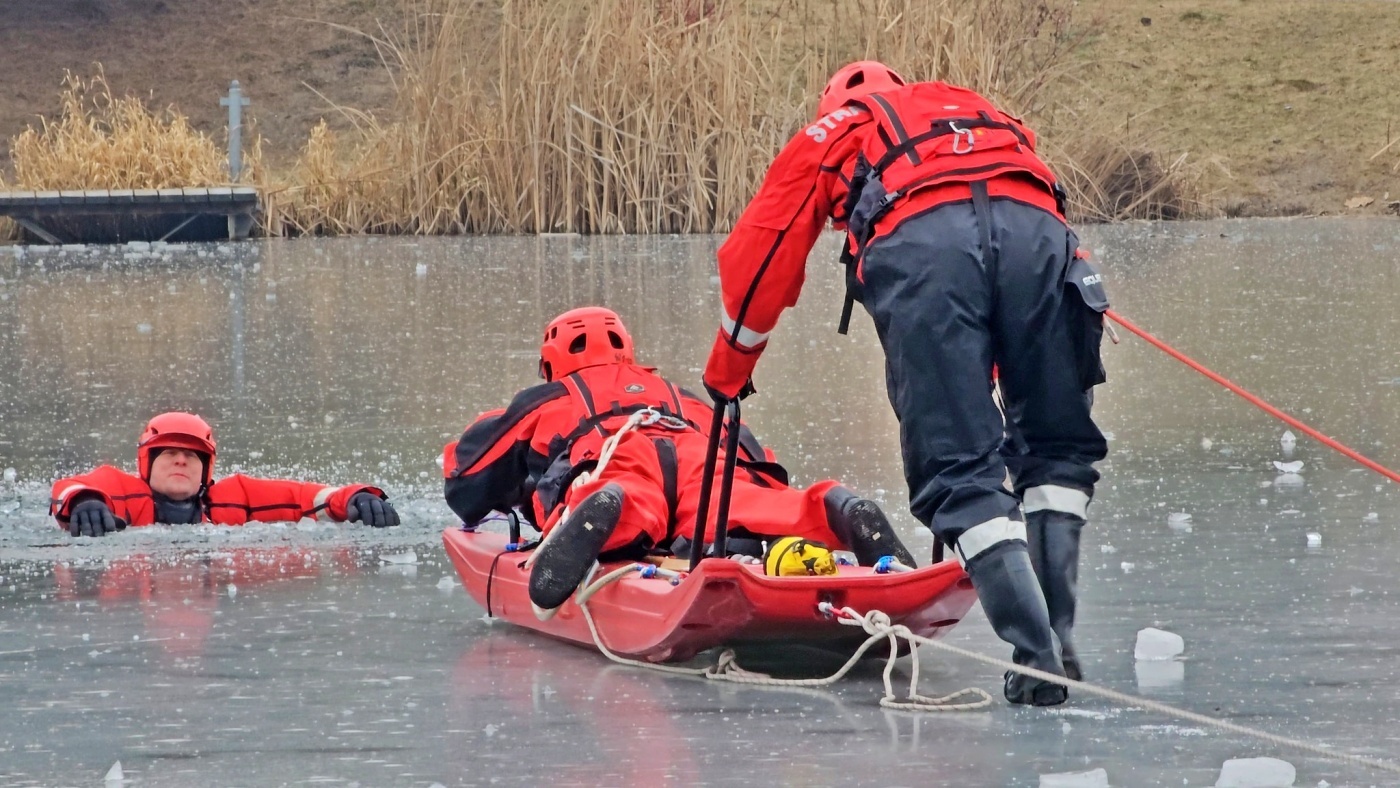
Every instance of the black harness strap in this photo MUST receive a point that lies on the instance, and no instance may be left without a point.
(666, 458)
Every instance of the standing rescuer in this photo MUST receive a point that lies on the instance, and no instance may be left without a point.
(175, 462)
(958, 248)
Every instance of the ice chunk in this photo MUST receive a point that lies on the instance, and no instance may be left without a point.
(1158, 644)
(1206, 443)
(1159, 675)
(1288, 441)
(1256, 773)
(1289, 467)
(446, 583)
(1179, 521)
(114, 775)
(421, 270)
(1127, 566)
(1108, 549)
(1371, 517)
(10, 476)
(232, 590)
(1314, 539)
(400, 558)
(1094, 778)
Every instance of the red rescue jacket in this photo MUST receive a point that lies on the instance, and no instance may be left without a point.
(528, 454)
(933, 139)
(233, 500)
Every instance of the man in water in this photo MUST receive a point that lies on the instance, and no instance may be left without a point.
(175, 485)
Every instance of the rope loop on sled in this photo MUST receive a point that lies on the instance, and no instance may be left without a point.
(726, 668)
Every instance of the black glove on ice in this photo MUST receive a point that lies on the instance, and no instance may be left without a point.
(370, 509)
(93, 518)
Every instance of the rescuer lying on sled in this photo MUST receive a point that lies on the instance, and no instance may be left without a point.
(531, 454)
(175, 485)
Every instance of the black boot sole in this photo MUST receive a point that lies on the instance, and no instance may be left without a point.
(564, 560)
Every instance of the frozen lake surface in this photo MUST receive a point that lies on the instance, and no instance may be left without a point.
(318, 653)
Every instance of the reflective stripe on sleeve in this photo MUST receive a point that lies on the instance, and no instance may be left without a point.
(69, 490)
(1056, 499)
(323, 498)
(984, 536)
(746, 336)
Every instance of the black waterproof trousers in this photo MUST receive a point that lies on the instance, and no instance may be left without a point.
(953, 292)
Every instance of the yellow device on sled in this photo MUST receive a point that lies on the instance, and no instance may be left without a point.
(793, 556)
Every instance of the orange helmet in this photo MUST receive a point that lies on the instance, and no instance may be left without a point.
(584, 337)
(175, 430)
(860, 78)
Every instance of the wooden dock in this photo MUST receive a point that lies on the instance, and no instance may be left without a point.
(121, 215)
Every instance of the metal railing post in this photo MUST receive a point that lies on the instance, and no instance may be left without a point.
(235, 101)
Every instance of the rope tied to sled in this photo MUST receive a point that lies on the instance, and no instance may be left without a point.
(878, 625)
(726, 668)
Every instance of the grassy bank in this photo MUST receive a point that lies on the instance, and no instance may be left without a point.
(627, 115)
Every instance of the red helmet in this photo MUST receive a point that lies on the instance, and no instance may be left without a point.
(584, 337)
(176, 430)
(860, 78)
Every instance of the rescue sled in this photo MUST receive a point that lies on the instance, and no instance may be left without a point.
(721, 602)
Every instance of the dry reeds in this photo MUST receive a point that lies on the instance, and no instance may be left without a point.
(613, 116)
(100, 141)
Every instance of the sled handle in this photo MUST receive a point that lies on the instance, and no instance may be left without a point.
(726, 484)
(707, 478)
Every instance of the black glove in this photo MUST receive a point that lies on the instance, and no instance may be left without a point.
(93, 518)
(370, 509)
(720, 399)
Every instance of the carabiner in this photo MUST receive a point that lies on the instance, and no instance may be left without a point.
(961, 135)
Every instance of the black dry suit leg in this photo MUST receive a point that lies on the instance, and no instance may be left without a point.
(861, 525)
(564, 558)
(1010, 595)
(1053, 538)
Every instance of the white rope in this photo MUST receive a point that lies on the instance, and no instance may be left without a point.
(726, 667)
(880, 620)
(878, 626)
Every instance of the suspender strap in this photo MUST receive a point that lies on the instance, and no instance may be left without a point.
(982, 206)
(666, 457)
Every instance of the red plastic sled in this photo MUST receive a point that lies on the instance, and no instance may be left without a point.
(722, 603)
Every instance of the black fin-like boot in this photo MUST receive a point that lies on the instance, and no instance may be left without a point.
(563, 560)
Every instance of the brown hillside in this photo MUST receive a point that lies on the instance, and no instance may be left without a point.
(1289, 104)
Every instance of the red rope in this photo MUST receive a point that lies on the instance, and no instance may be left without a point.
(1253, 400)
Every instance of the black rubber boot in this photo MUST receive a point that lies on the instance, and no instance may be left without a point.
(1053, 538)
(563, 560)
(1011, 598)
(862, 526)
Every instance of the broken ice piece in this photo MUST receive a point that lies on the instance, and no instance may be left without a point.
(400, 558)
(1288, 441)
(1256, 773)
(446, 583)
(1289, 467)
(115, 775)
(1314, 539)
(1158, 644)
(1094, 778)
(1371, 517)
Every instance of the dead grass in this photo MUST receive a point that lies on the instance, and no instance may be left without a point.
(649, 117)
(100, 141)
(615, 116)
